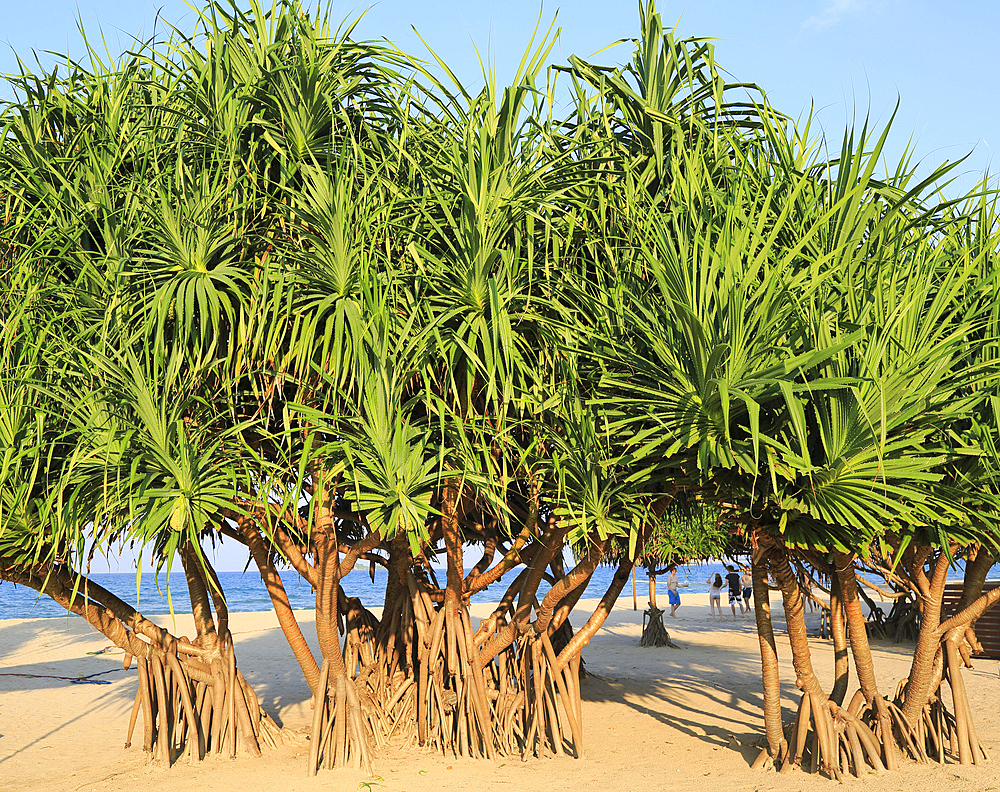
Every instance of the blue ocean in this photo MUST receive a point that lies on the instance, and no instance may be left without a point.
(246, 593)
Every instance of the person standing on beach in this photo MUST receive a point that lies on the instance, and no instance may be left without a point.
(714, 594)
(746, 580)
(673, 596)
(733, 579)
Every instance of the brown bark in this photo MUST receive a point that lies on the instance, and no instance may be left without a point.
(488, 626)
(517, 554)
(548, 545)
(973, 612)
(358, 549)
(293, 554)
(489, 551)
(578, 576)
(282, 608)
(977, 567)
(860, 648)
(795, 618)
(453, 547)
(117, 621)
(201, 608)
(838, 631)
(319, 711)
(962, 717)
(326, 596)
(569, 602)
(397, 610)
(180, 684)
(858, 632)
(582, 637)
(219, 601)
(551, 543)
(768, 652)
(918, 689)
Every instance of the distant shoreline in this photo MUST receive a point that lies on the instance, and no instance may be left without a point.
(246, 593)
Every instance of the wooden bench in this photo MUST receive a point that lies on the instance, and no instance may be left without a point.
(988, 625)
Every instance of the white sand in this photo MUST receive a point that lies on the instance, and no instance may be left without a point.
(684, 719)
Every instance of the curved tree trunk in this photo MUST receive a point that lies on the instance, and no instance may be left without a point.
(863, 663)
(282, 608)
(838, 632)
(840, 741)
(339, 734)
(773, 727)
(977, 567)
(420, 672)
(798, 637)
(918, 688)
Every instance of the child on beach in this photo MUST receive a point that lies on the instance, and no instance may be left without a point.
(714, 594)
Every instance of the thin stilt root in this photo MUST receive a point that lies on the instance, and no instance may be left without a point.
(519, 703)
(340, 734)
(653, 631)
(939, 734)
(419, 678)
(836, 741)
(195, 708)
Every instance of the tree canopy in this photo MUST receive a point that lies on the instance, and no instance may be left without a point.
(262, 283)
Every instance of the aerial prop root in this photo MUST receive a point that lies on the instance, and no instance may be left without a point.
(554, 719)
(518, 702)
(940, 732)
(836, 741)
(420, 675)
(341, 733)
(192, 707)
(832, 739)
(456, 712)
(654, 633)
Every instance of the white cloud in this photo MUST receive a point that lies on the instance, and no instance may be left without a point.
(835, 11)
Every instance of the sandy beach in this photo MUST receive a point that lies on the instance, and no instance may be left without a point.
(683, 719)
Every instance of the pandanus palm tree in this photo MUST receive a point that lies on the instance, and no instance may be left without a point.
(280, 288)
(151, 252)
(861, 456)
(791, 341)
(238, 259)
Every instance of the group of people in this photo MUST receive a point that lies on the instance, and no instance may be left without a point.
(740, 586)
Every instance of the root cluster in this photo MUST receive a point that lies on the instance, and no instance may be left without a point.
(653, 631)
(194, 707)
(419, 678)
(838, 741)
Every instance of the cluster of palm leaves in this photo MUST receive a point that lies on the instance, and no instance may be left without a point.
(260, 276)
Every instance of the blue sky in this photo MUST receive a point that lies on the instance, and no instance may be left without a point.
(844, 57)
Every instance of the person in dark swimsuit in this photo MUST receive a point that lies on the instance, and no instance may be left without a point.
(735, 590)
